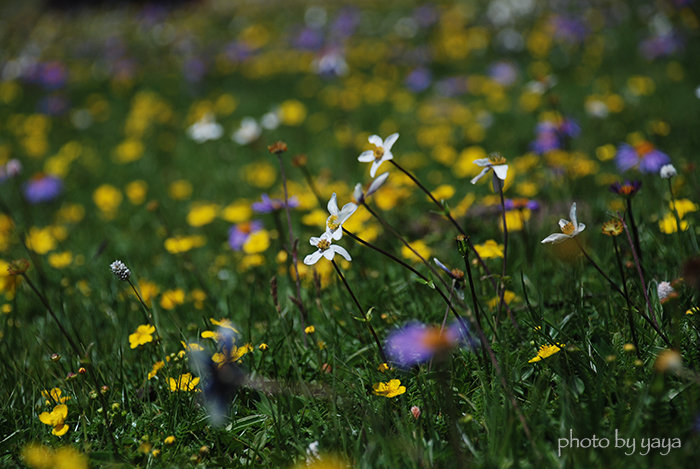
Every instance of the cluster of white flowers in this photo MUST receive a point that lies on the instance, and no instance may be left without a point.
(334, 232)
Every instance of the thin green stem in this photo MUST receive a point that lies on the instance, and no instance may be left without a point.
(597, 267)
(623, 279)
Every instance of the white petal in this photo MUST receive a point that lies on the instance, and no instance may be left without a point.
(357, 193)
(555, 238)
(376, 184)
(366, 156)
(314, 241)
(389, 141)
(333, 205)
(375, 167)
(572, 213)
(311, 259)
(563, 223)
(341, 250)
(387, 156)
(482, 162)
(336, 234)
(329, 253)
(376, 140)
(580, 228)
(347, 210)
(501, 171)
(480, 175)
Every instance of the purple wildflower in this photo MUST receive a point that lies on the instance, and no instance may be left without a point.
(42, 188)
(626, 189)
(552, 135)
(659, 46)
(418, 80)
(417, 343)
(503, 73)
(643, 156)
(239, 234)
(270, 205)
(522, 204)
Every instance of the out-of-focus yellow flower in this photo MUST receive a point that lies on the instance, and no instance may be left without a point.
(257, 242)
(60, 260)
(292, 112)
(508, 296)
(143, 335)
(309, 330)
(180, 244)
(489, 249)
(70, 213)
(251, 260)
(180, 189)
(136, 191)
(169, 440)
(443, 192)
(464, 166)
(260, 174)
(201, 214)
(668, 224)
(156, 367)
(237, 212)
(107, 198)
(42, 457)
(420, 247)
(172, 298)
(40, 240)
(129, 150)
(54, 396)
(184, 383)
(315, 218)
(148, 290)
(683, 206)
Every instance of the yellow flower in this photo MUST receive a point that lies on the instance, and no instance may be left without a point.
(180, 244)
(42, 457)
(546, 351)
(508, 296)
(202, 214)
(261, 174)
(257, 242)
(37, 456)
(226, 323)
(383, 367)
(56, 419)
(237, 212)
(184, 383)
(148, 290)
(443, 192)
(54, 396)
(292, 112)
(40, 240)
(129, 150)
(136, 191)
(683, 206)
(264, 346)
(192, 345)
(668, 224)
(156, 367)
(180, 189)
(60, 260)
(169, 440)
(420, 247)
(172, 298)
(309, 330)
(490, 249)
(392, 388)
(143, 335)
(107, 198)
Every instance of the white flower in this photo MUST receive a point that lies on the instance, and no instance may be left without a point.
(334, 223)
(569, 228)
(325, 249)
(667, 171)
(270, 120)
(360, 196)
(664, 290)
(248, 132)
(495, 162)
(120, 270)
(380, 154)
(205, 129)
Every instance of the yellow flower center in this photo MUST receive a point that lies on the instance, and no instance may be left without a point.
(332, 222)
(496, 158)
(378, 153)
(568, 229)
(323, 244)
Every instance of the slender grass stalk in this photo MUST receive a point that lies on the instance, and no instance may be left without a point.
(362, 312)
(501, 293)
(635, 232)
(597, 267)
(623, 279)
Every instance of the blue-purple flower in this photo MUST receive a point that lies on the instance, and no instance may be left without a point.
(643, 156)
(268, 205)
(239, 234)
(417, 343)
(42, 188)
(627, 188)
(552, 135)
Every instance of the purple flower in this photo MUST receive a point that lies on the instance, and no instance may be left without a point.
(521, 204)
(659, 46)
(504, 73)
(418, 80)
(552, 135)
(42, 188)
(626, 189)
(308, 39)
(571, 30)
(643, 156)
(239, 234)
(270, 205)
(417, 343)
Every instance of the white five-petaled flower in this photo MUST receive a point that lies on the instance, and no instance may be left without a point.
(205, 129)
(359, 196)
(496, 162)
(334, 223)
(380, 154)
(569, 229)
(325, 249)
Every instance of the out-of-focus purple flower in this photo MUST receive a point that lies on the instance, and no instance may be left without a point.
(331, 62)
(345, 23)
(567, 29)
(504, 73)
(659, 46)
(425, 15)
(270, 205)
(522, 204)
(53, 105)
(626, 189)
(239, 234)
(53, 75)
(238, 51)
(308, 39)
(194, 69)
(552, 135)
(42, 188)
(643, 156)
(417, 343)
(418, 80)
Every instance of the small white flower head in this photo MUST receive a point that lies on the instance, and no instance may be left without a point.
(359, 197)
(248, 131)
(325, 249)
(569, 229)
(120, 270)
(334, 223)
(664, 290)
(668, 171)
(205, 129)
(495, 162)
(380, 154)
(312, 452)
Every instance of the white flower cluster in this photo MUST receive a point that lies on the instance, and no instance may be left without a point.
(120, 270)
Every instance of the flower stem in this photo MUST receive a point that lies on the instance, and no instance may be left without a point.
(635, 232)
(594, 264)
(362, 311)
(502, 289)
(630, 319)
